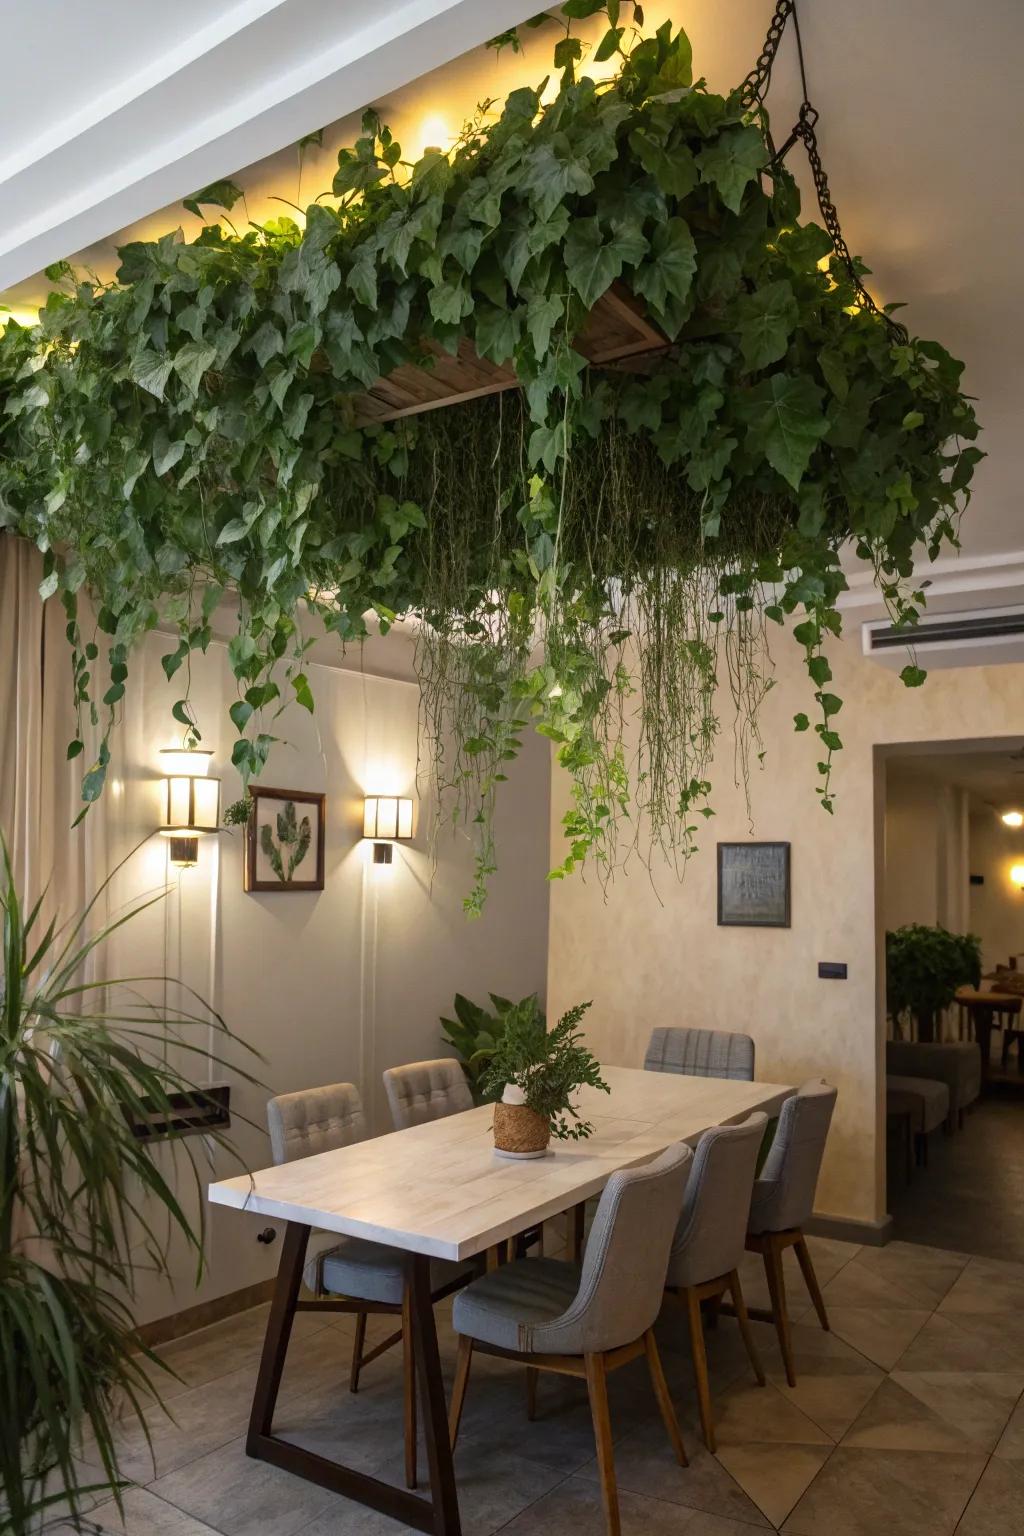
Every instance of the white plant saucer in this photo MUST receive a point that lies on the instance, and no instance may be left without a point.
(519, 1157)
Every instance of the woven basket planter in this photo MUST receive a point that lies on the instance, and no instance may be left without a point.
(520, 1130)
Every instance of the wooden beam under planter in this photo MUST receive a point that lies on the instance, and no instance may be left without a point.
(616, 329)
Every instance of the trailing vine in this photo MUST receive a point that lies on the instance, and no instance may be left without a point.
(589, 557)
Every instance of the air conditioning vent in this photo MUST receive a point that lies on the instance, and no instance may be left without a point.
(981, 638)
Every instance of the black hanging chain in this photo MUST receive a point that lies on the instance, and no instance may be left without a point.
(754, 89)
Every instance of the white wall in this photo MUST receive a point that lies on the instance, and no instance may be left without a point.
(926, 852)
(330, 986)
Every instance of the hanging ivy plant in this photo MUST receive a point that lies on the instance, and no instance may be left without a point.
(589, 556)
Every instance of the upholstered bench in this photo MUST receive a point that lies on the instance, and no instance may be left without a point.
(955, 1063)
(931, 1106)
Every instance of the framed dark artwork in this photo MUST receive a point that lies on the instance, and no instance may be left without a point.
(753, 885)
(284, 841)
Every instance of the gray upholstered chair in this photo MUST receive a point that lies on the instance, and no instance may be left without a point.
(556, 1316)
(708, 1244)
(701, 1053)
(351, 1274)
(426, 1090)
(783, 1199)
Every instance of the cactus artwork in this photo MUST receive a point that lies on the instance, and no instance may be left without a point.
(285, 853)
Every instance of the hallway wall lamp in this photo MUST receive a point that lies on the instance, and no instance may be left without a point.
(1017, 876)
(190, 802)
(386, 819)
(1013, 818)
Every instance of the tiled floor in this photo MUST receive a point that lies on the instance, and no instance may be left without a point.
(971, 1195)
(907, 1418)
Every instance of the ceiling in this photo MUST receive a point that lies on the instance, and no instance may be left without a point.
(920, 134)
(993, 777)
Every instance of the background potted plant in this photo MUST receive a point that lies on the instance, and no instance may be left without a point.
(474, 1034)
(536, 1072)
(923, 969)
(81, 1065)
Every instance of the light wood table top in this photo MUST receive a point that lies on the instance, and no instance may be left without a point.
(439, 1190)
(972, 997)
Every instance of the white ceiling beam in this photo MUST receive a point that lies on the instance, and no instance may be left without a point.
(256, 78)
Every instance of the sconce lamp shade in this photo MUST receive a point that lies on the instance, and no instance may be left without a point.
(387, 816)
(191, 802)
(1013, 818)
(1017, 876)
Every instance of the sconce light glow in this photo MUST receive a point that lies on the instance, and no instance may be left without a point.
(191, 802)
(1017, 876)
(434, 133)
(1013, 818)
(386, 817)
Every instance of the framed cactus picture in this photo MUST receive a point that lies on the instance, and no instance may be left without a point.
(284, 841)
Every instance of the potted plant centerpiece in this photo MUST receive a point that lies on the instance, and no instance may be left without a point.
(535, 1072)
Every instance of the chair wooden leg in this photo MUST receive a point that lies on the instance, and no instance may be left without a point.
(700, 1367)
(531, 1392)
(803, 1256)
(597, 1387)
(661, 1392)
(462, 1364)
(777, 1291)
(736, 1292)
(409, 1389)
(579, 1216)
(357, 1352)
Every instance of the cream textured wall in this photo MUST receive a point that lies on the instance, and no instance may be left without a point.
(650, 953)
(331, 986)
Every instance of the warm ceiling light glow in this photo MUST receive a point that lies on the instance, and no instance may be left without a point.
(1013, 819)
(434, 133)
(1017, 876)
(24, 317)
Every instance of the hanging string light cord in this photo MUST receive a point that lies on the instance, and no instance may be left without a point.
(755, 88)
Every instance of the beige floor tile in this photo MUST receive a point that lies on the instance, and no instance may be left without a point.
(946, 1343)
(986, 1285)
(926, 1273)
(774, 1476)
(242, 1497)
(227, 1346)
(751, 1413)
(203, 1419)
(868, 1492)
(882, 1334)
(895, 1420)
(997, 1504)
(1010, 1446)
(858, 1285)
(575, 1506)
(143, 1515)
(833, 1380)
(494, 1486)
(645, 1464)
(978, 1403)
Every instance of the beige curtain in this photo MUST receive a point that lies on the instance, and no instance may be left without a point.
(39, 789)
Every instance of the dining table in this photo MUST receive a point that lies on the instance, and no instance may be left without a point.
(440, 1191)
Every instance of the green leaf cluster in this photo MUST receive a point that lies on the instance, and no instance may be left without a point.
(924, 966)
(549, 1066)
(475, 1034)
(582, 558)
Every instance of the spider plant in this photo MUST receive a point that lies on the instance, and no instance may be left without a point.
(84, 1205)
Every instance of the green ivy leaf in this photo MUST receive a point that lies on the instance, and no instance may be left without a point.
(913, 676)
(785, 422)
(591, 263)
(766, 319)
(668, 273)
(151, 370)
(191, 361)
(219, 194)
(673, 169)
(732, 162)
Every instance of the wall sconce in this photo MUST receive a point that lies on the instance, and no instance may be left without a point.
(1017, 876)
(1013, 819)
(386, 816)
(191, 802)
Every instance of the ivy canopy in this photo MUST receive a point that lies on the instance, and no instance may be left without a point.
(583, 556)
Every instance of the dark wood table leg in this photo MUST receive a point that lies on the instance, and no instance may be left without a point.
(435, 1409)
(983, 1035)
(438, 1516)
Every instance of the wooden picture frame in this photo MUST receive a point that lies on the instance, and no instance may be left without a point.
(273, 860)
(754, 885)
